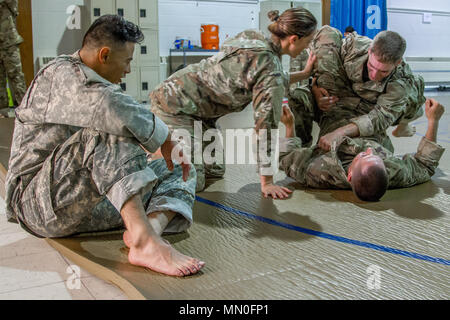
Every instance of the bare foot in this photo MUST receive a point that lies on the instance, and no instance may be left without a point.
(158, 255)
(158, 221)
(404, 130)
(127, 238)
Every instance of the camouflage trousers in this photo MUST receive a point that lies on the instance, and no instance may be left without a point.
(186, 122)
(85, 182)
(301, 103)
(11, 68)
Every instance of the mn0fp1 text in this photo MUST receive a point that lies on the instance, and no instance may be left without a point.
(252, 309)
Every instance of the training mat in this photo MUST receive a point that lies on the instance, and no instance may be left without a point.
(319, 244)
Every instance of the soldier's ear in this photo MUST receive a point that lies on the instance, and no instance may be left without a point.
(103, 54)
(293, 39)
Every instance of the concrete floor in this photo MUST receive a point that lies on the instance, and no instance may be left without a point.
(31, 269)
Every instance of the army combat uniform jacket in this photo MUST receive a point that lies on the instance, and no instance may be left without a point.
(76, 156)
(372, 106)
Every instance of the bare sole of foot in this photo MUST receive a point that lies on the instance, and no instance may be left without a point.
(161, 257)
(404, 131)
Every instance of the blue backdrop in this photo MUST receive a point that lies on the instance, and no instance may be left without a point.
(367, 17)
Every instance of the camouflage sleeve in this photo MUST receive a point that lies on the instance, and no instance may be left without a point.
(268, 93)
(414, 169)
(329, 69)
(128, 116)
(116, 113)
(389, 108)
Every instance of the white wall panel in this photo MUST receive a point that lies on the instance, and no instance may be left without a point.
(184, 18)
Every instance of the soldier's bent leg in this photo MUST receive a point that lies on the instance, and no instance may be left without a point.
(302, 106)
(170, 193)
(13, 67)
(415, 99)
(213, 151)
(77, 176)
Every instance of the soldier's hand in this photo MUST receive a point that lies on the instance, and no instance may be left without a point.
(310, 63)
(268, 188)
(275, 191)
(326, 141)
(433, 110)
(323, 99)
(172, 150)
(287, 117)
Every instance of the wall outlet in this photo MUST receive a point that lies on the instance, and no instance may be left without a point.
(427, 17)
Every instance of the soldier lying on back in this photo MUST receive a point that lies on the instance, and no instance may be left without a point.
(361, 164)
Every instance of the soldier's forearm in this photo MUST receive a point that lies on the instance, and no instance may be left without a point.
(290, 129)
(432, 130)
(351, 130)
(298, 76)
(265, 180)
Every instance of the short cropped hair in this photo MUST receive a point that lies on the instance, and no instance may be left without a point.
(389, 46)
(111, 30)
(349, 29)
(371, 184)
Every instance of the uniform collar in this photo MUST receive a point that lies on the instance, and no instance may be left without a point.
(91, 75)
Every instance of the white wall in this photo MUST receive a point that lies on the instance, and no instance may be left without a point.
(424, 40)
(183, 18)
(50, 34)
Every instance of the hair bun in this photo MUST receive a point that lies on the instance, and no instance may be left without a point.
(273, 15)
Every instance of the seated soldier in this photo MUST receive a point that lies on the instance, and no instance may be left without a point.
(361, 164)
(78, 162)
(367, 82)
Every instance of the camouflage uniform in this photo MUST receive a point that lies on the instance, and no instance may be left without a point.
(247, 69)
(76, 156)
(10, 64)
(316, 168)
(301, 101)
(372, 106)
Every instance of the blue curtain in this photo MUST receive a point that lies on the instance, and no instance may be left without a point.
(367, 17)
